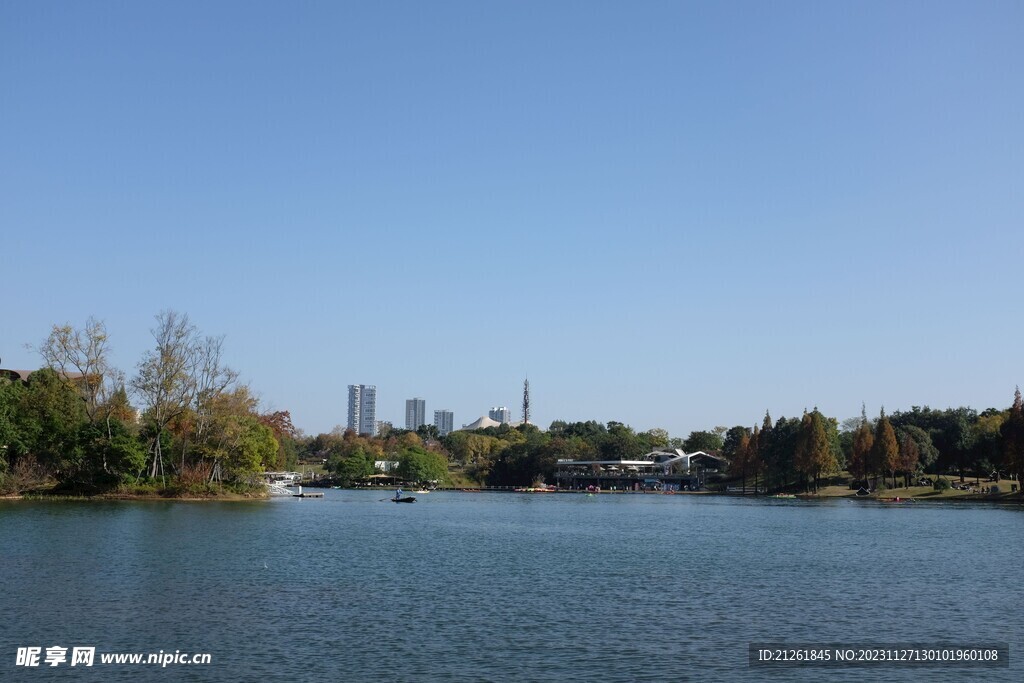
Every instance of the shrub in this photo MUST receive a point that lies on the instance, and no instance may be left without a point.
(941, 484)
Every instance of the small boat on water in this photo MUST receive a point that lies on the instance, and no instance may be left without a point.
(406, 499)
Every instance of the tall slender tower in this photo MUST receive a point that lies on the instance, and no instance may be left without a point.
(526, 401)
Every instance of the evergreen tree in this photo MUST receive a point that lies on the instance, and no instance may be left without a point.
(1012, 433)
(764, 448)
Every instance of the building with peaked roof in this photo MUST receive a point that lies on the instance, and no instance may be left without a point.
(482, 422)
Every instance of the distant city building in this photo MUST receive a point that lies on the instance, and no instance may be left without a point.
(500, 415)
(444, 420)
(415, 413)
(362, 408)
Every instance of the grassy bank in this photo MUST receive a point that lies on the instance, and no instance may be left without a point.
(146, 491)
(930, 493)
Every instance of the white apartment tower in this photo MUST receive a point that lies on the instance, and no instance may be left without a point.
(415, 413)
(444, 420)
(501, 414)
(362, 408)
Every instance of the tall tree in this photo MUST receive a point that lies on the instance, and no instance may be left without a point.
(50, 415)
(1012, 432)
(164, 380)
(909, 455)
(81, 355)
(209, 378)
(739, 463)
(815, 454)
(863, 441)
(885, 451)
(764, 449)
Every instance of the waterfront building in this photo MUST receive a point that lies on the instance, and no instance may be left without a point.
(664, 470)
(415, 413)
(501, 415)
(444, 420)
(362, 408)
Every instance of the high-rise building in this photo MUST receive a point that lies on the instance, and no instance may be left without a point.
(444, 420)
(362, 408)
(501, 414)
(415, 413)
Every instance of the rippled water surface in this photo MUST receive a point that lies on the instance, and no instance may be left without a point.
(501, 587)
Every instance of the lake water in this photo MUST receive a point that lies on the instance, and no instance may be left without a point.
(503, 587)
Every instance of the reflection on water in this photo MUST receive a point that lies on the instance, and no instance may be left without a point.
(502, 586)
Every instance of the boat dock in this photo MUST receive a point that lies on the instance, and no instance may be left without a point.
(308, 494)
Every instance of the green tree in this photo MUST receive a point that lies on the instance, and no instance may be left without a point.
(654, 438)
(780, 453)
(764, 448)
(421, 466)
(1012, 432)
(50, 415)
(10, 441)
(703, 441)
(255, 448)
(620, 443)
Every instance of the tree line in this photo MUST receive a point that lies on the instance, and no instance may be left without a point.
(182, 423)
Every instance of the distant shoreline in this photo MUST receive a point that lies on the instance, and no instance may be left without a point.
(889, 496)
(46, 497)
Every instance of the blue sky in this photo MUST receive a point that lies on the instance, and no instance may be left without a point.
(671, 214)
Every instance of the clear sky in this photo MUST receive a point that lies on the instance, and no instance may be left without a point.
(670, 214)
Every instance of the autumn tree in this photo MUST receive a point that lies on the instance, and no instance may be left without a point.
(739, 462)
(908, 457)
(280, 423)
(815, 455)
(863, 441)
(885, 451)
(421, 466)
